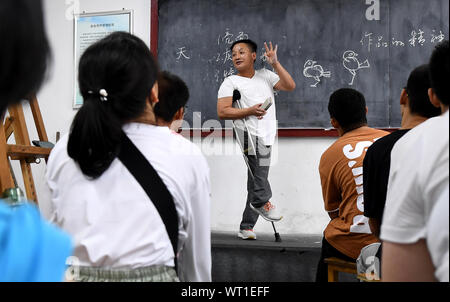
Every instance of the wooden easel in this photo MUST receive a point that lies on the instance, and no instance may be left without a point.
(22, 150)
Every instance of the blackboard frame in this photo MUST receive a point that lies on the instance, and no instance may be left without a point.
(285, 132)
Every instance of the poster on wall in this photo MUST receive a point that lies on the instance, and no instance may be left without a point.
(91, 27)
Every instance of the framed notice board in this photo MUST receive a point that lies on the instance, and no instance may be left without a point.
(91, 27)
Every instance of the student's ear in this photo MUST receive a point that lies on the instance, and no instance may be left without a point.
(334, 123)
(179, 115)
(154, 95)
(367, 110)
(433, 98)
(404, 98)
(254, 56)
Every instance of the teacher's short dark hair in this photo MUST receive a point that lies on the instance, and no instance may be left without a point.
(348, 107)
(25, 51)
(253, 46)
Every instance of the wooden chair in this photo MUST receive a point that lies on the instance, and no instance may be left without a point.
(336, 265)
(22, 150)
(373, 278)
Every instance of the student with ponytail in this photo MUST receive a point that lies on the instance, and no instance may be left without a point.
(119, 231)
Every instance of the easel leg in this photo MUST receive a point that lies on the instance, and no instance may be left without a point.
(28, 181)
(6, 180)
(22, 138)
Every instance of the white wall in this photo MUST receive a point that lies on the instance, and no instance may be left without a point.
(295, 183)
(294, 176)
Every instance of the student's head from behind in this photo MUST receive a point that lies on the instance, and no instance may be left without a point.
(24, 52)
(415, 95)
(243, 53)
(347, 108)
(117, 79)
(439, 75)
(173, 96)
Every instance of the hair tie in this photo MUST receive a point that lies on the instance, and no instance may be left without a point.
(102, 93)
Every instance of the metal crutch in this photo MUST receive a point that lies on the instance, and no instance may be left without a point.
(236, 99)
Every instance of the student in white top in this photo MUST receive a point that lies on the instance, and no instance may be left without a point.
(418, 187)
(118, 233)
(255, 87)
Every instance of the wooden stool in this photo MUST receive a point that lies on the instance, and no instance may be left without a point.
(336, 265)
(373, 278)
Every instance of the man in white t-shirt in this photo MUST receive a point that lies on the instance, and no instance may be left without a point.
(258, 126)
(415, 230)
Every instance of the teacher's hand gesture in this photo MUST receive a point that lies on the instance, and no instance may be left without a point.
(271, 54)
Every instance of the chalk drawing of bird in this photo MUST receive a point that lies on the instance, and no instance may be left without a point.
(315, 71)
(352, 64)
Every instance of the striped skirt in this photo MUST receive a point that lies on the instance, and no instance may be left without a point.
(145, 274)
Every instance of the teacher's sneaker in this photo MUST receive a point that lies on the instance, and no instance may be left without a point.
(268, 212)
(247, 235)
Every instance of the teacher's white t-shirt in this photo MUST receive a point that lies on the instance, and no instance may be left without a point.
(255, 91)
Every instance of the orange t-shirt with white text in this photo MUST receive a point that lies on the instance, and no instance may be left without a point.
(341, 175)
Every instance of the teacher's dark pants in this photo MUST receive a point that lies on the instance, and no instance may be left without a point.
(258, 186)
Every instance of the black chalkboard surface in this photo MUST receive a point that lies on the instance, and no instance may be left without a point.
(369, 45)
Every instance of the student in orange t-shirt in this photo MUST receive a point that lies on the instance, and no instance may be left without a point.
(341, 168)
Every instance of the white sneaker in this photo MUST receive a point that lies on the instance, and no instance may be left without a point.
(268, 212)
(247, 235)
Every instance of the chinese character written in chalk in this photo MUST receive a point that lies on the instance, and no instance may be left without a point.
(228, 37)
(228, 73)
(396, 42)
(417, 37)
(241, 36)
(227, 56)
(382, 43)
(369, 42)
(437, 38)
(182, 53)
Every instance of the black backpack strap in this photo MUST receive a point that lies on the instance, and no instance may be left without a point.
(153, 185)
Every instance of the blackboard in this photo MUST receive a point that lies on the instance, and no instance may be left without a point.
(389, 37)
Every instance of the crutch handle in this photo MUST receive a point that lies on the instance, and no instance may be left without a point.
(236, 95)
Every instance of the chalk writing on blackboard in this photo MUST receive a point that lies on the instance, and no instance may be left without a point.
(223, 59)
(437, 38)
(228, 38)
(313, 70)
(182, 53)
(227, 56)
(263, 57)
(416, 38)
(352, 64)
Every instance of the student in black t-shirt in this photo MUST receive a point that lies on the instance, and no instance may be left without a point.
(415, 108)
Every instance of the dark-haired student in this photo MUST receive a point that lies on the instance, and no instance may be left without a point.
(415, 109)
(255, 87)
(173, 97)
(31, 250)
(119, 234)
(415, 226)
(341, 175)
